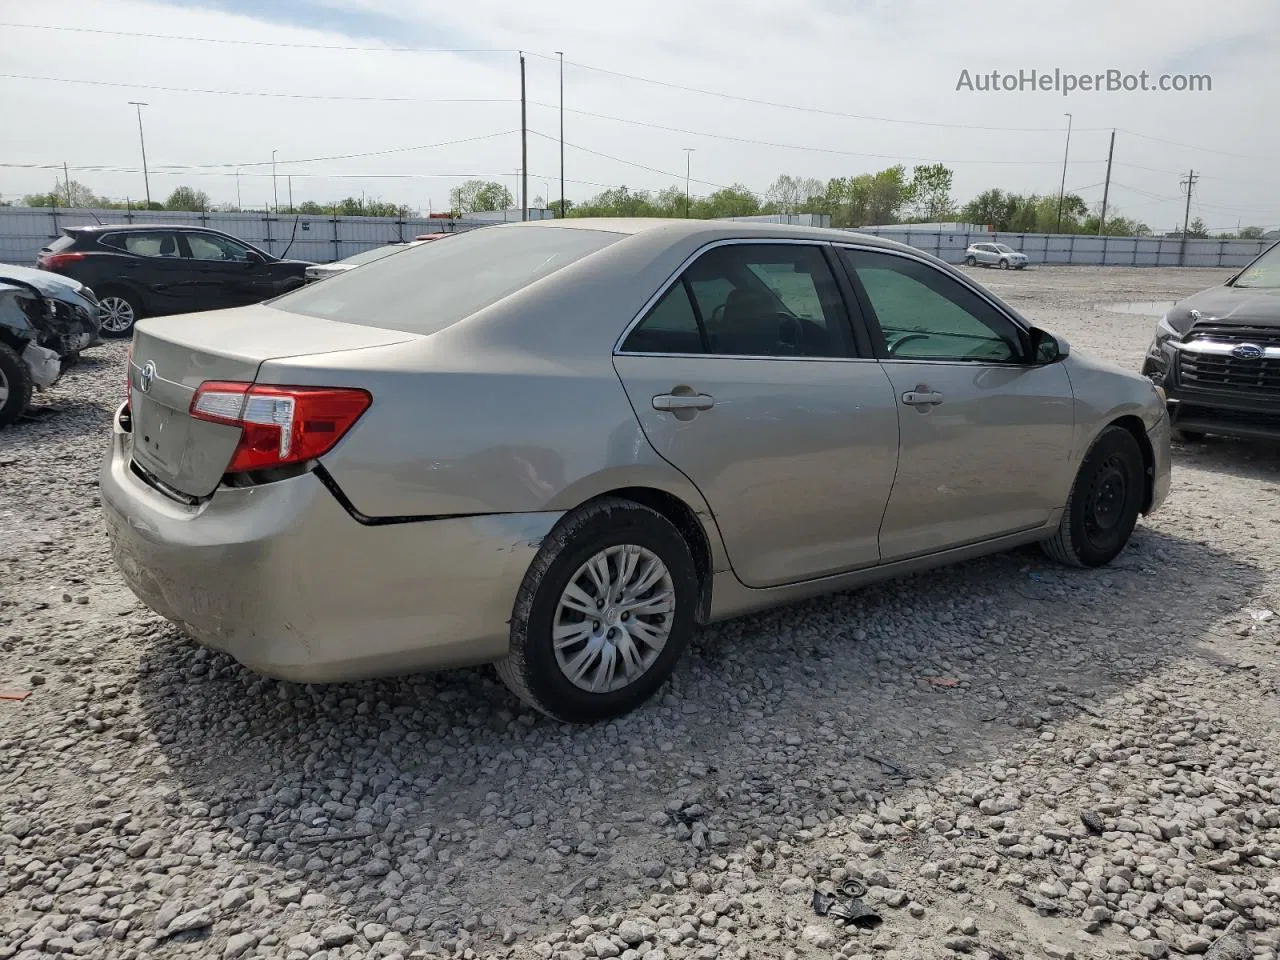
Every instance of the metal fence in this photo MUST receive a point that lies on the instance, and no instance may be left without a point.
(24, 230)
(1072, 248)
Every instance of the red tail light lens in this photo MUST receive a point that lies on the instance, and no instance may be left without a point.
(55, 261)
(280, 424)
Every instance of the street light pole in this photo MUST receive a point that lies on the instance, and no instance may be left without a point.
(275, 195)
(688, 165)
(146, 178)
(1063, 189)
(560, 54)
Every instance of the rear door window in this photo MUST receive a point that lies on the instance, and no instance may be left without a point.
(149, 244)
(432, 286)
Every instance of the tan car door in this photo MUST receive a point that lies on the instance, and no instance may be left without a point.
(986, 437)
(744, 376)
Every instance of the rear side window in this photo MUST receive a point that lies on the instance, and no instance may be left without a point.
(429, 287)
(149, 244)
(750, 300)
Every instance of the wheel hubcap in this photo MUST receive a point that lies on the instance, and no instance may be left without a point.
(1107, 499)
(117, 314)
(613, 619)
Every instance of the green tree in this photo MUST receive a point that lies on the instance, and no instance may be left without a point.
(478, 195)
(187, 198)
(734, 201)
(1197, 230)
(930, 192)
(70, 193)
(993, 207)
(1251, 233)
(313, 209)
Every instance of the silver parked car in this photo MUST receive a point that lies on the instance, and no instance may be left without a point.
(559, 446)
(995, 255)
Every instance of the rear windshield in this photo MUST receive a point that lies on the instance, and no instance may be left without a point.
(432, 286)
(60, 244)
(377, 253)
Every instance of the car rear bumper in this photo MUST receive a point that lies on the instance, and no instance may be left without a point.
(282, 578)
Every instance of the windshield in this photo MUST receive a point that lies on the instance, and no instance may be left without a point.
(434, 285)
(377, 253)
(1263, 272)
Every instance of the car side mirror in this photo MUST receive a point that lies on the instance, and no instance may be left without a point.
(1046, 348)
(255, 257)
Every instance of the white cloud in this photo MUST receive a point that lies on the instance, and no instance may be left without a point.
(892, 59)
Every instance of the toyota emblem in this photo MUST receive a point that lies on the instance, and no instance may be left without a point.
(149, 374)
(1247, 351)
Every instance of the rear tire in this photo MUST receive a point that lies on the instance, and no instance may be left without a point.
(970, 261)
(601, 642)
(1104, 503)
(15, 385)
(118, 310)
(1004, 264)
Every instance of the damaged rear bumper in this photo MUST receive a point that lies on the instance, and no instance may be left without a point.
(284, 579)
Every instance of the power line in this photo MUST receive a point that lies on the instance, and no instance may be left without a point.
(791, 146)
(1194, 146)
(134, 35)
(256, 93)
(792, 106)
(629, 163)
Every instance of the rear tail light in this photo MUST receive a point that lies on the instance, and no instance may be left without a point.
(55, 261)
(280, 424)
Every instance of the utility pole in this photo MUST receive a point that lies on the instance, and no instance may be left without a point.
(1063, 188)
(290, 182)
(1189, 183)
(560, 54)
(524, 147)
(275, 195)
(688, 154)
(66, 182)
(1106, 190)
(239, 205)
(146, 179)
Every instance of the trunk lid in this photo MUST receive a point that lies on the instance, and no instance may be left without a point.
(173, 356)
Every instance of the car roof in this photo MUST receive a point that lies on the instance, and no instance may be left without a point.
(707, 230)
(139, 227)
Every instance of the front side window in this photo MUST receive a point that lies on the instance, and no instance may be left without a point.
(208, 246)
(149, 244)
(926, 315)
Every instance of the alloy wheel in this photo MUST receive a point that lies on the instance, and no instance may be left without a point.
(116, 314)
(613, 618)
(4, 389)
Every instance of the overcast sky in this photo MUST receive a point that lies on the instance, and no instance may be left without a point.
(895, 59)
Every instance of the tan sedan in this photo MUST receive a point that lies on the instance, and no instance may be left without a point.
(560, 446)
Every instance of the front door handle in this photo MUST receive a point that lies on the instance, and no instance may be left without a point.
(921, 398)
(683, 401)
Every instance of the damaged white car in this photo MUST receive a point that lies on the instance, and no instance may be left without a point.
(44, 324)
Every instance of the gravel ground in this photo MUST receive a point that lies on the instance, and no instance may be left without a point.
(1016, 760)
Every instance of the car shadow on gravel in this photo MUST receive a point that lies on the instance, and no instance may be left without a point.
(433, 802)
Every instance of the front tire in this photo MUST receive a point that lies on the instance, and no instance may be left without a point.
(118, 310)
(15, 385)
(1104, 503)
(604, 612)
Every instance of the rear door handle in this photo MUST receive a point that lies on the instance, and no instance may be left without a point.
(683, 401)
(917, 398)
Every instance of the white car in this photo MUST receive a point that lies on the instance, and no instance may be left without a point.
(995, 255)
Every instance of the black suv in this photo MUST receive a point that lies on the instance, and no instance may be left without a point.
(140, 271)
(1217, 355)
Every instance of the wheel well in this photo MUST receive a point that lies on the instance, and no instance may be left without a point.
(686, 521)
(1136, 427)
(12, 340)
